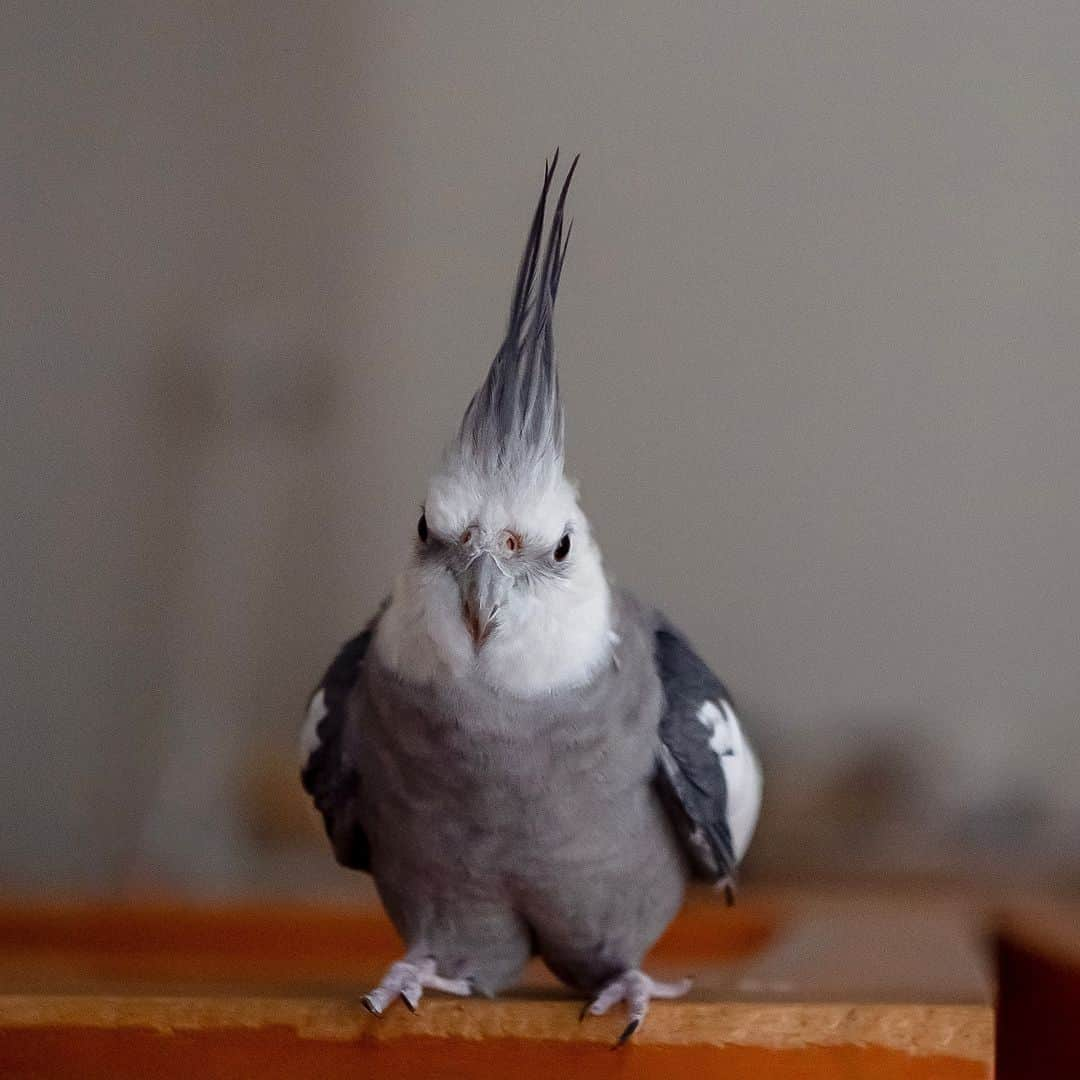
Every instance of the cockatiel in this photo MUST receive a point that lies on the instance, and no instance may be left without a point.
(527, 759)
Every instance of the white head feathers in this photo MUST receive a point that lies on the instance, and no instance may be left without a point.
(502, 494)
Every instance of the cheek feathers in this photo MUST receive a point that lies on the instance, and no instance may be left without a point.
(553, 635)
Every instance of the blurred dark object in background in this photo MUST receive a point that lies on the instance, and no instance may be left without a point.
(1038, 1006)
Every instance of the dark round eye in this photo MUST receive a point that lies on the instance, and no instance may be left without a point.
(421, 528)
(563, 549)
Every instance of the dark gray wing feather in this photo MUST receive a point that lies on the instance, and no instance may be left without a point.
(690, 776)
(329, 776)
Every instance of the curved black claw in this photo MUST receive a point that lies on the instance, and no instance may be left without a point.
(410, 1005)
(585, 1010)
(629, 1030)
(370, 1005)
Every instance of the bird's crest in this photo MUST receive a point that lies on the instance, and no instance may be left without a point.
(514, 423)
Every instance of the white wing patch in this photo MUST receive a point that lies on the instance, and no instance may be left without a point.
(309, 733)
(742, 773)
(718, 720)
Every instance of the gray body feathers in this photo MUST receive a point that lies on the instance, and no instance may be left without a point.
(496, 827)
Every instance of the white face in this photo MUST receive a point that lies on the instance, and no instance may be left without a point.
(506, 584)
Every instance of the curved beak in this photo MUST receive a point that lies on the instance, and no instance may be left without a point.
(483, 586)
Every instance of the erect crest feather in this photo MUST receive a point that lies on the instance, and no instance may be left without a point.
(515, 420)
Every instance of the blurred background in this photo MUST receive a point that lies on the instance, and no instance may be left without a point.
(818, 334)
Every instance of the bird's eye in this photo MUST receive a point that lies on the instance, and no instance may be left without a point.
(563, 549)
(511, 542)
(421, 528)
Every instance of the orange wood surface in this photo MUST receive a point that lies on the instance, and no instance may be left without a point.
(279, 941)
(786, 987)
(277, 1055)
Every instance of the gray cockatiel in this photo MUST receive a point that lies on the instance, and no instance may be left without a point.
(525, 758)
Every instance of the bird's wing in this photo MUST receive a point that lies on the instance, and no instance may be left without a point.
(707, 772)
(328, 769)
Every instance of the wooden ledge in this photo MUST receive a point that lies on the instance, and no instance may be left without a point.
(863, 988)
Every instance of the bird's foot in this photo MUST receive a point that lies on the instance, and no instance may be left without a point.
(407, 980)
(637, 990)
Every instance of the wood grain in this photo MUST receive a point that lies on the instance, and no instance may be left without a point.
(785, 988)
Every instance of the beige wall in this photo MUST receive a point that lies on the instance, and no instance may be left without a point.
(818, 340)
